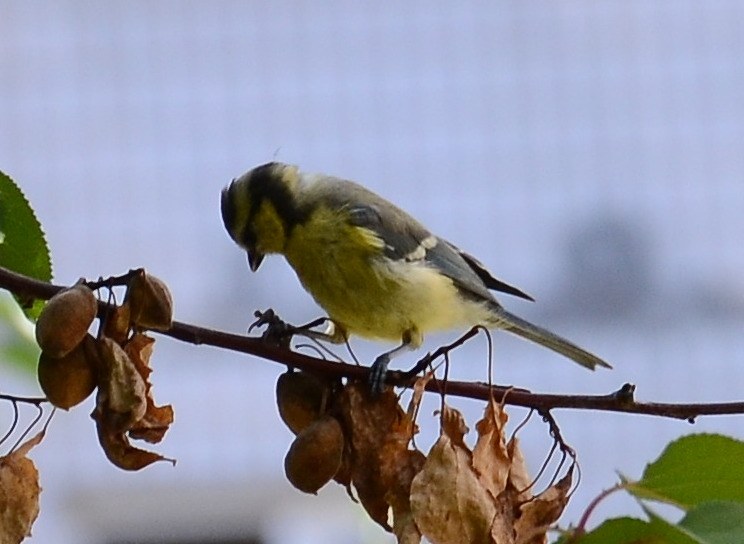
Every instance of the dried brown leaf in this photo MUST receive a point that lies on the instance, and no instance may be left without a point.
(121, 401)
(398, 472)
(448, 501)
(398, 466)
(519, 477)
(154, 424)
(118, 323)
(156, 420)
(343, 474)
(419, 388)
(367, 421)
(121, 453)
(19, 493)
(453, 425)
(539, 514)
(502, 528)
(139, 348)
(491, 459)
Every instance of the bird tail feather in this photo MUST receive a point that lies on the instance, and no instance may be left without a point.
(544, 337)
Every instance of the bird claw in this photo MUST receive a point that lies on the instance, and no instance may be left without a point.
(378, 373)
(280, 333)
(277, 332)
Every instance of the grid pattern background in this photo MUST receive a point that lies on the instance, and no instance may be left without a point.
(588, 152)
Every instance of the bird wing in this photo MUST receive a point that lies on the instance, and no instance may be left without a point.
(491, 282)
(406, 239)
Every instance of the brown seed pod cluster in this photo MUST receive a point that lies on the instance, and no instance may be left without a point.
(315, 455)
(454, 493)
(67, 365)
(74, 363)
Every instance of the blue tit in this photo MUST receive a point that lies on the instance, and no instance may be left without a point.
(373, 268)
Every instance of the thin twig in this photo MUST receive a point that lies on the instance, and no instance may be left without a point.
(621, 400)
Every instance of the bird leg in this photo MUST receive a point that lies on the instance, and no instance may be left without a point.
(378, 370)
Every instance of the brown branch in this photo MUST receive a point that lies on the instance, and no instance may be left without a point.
(618, 401)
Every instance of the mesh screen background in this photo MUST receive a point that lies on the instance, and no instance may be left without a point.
(590, 153)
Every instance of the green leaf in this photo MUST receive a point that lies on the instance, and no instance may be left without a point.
(670, 533)
(713, 522)
(636, 531)
(619, 531)
(23, 247)
(18, 345)
(693, 469)
(716, 522)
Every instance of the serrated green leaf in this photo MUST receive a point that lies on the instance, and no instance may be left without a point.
(668, 532)
(636, 531)
(619, 531)
(23, 247)
(693, 469)
(716, 522)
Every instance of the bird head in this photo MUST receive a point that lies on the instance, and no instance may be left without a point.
(258, 209)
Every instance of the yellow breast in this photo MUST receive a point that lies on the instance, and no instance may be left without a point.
(344, 269)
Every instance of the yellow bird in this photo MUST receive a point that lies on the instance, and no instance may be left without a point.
(377, 271)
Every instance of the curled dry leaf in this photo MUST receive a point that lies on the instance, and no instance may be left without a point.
(519, 477)
(121, 453)
(300, 398)
(454, 426)
(125, 404)
(483, 496)
(315, 455)
(419, 388)
(398, 466)
(150, 302)
(19, 493)
(117, 323)
(121, 401)
(491, 459)
(65, 320)
(70, 379)
(156, 420)
(448, 500)
(367, 421)
(154, 424)
(537, 515)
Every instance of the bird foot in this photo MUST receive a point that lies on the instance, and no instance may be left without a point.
(280, 333)
(378, 373)
(277, 332)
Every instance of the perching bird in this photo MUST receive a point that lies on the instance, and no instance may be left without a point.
(377, 271)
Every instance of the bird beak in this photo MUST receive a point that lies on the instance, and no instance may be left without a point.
(255, 258)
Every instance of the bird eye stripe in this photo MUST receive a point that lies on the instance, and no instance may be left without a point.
(228, 208)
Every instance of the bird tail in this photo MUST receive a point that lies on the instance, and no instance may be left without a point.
(544, 337)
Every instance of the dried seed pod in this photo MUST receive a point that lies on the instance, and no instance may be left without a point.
(300, 397)
(65, 320)
(150, 302)
(69, 380)
(315, 455)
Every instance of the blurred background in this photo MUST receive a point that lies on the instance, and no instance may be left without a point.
(589, 153)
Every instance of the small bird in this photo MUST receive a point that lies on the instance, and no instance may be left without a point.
(377, 271)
